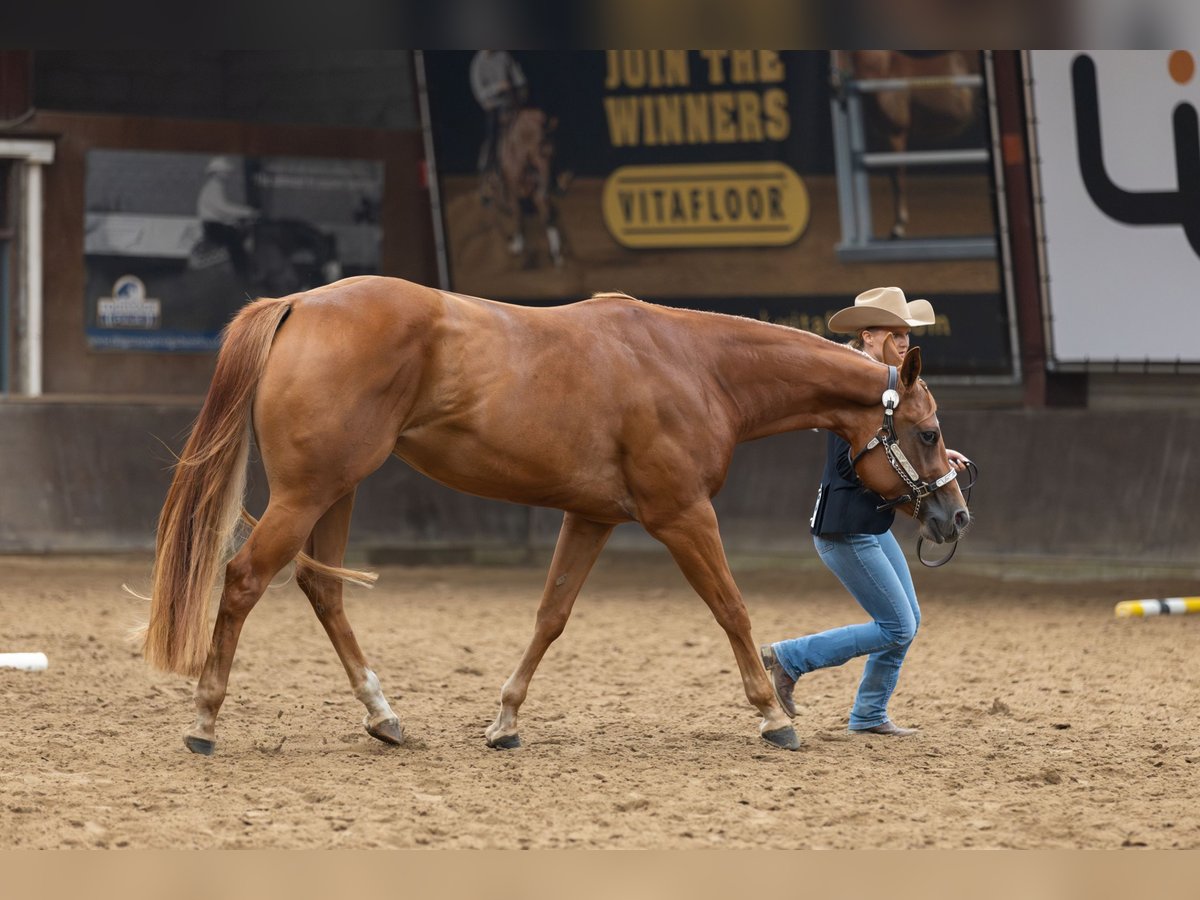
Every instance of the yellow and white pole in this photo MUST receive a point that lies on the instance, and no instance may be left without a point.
(1169, 606)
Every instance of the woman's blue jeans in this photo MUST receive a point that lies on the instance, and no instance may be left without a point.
(874, 571)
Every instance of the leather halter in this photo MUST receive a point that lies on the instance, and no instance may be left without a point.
(918, 488)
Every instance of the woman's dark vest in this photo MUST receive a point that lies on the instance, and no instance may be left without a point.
(844, 505)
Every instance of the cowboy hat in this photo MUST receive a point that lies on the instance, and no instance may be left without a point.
(883, 307)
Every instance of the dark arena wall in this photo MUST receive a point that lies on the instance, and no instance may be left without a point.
(1084, 484)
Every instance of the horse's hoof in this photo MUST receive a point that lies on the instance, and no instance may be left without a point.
(199, 745)
(390, 731)
(784, 738)
(507, 742)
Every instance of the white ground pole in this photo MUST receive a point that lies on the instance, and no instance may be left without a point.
(30, 662)
(34, 154)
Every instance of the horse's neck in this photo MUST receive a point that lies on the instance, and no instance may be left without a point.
(782, 380)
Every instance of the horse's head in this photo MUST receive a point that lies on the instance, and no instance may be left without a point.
(904, 460)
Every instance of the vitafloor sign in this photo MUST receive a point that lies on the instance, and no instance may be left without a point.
(1119, 146)
(657, 99)
(751, 204)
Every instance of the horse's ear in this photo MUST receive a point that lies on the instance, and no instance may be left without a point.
(891, 356)
(911, 368)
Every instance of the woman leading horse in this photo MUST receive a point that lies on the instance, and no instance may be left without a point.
(610, 409)
(851, 530)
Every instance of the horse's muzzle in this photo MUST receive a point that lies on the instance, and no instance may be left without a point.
(945, 526)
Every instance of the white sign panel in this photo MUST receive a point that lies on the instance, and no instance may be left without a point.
(1119, 153)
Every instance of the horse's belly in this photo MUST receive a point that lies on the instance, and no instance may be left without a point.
(560, 481)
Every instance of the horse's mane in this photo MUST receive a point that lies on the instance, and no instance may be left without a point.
(621, 295)
(614, 295)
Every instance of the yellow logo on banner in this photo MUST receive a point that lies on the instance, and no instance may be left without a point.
(739, 204)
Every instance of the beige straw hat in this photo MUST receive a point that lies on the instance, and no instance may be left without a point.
(883, 307)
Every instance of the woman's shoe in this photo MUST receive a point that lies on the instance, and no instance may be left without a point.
(781, 681)
(889, 728)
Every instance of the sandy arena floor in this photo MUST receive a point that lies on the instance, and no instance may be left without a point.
(1045, 721)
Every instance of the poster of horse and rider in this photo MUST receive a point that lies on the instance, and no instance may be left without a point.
(714, 179)
(175, 243)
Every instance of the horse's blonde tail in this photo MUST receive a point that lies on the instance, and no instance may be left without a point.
(205, 498)
(366, 579)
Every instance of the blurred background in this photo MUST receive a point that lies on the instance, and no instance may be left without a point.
(1043, 201)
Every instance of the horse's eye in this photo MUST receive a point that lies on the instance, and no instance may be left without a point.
(929, 437)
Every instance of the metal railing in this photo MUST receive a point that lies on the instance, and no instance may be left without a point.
(920, 82)
(854, 164)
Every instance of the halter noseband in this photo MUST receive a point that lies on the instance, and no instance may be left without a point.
(918, 488)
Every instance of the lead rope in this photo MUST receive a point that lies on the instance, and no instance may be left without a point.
(973, 471)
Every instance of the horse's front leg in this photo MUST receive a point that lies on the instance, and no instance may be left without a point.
(579, 543)
(694, 540)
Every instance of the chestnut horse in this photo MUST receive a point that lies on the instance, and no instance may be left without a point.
(938, 111)
(610, 409)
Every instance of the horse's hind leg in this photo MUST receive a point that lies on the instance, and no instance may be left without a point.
(899, 200)
(554, 242)
(695, 543)
(274, 542)
(579, 543)
(546, 213)
(327, 545)
(894, 109)
(899, 109)
(511, 219)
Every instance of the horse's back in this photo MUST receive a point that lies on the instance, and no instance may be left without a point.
(371, 334)
(373, 317)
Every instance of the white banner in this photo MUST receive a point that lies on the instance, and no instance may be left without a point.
(1119, 153)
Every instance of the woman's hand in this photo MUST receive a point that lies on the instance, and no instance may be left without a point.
(957, 461)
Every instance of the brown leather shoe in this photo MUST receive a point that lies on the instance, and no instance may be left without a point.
(890, 729)
(781, 681)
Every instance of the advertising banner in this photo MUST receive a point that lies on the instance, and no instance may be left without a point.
(1119, 171)
(176, 243)
(708, 179)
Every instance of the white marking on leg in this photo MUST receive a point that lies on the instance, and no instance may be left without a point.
(370, 694)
